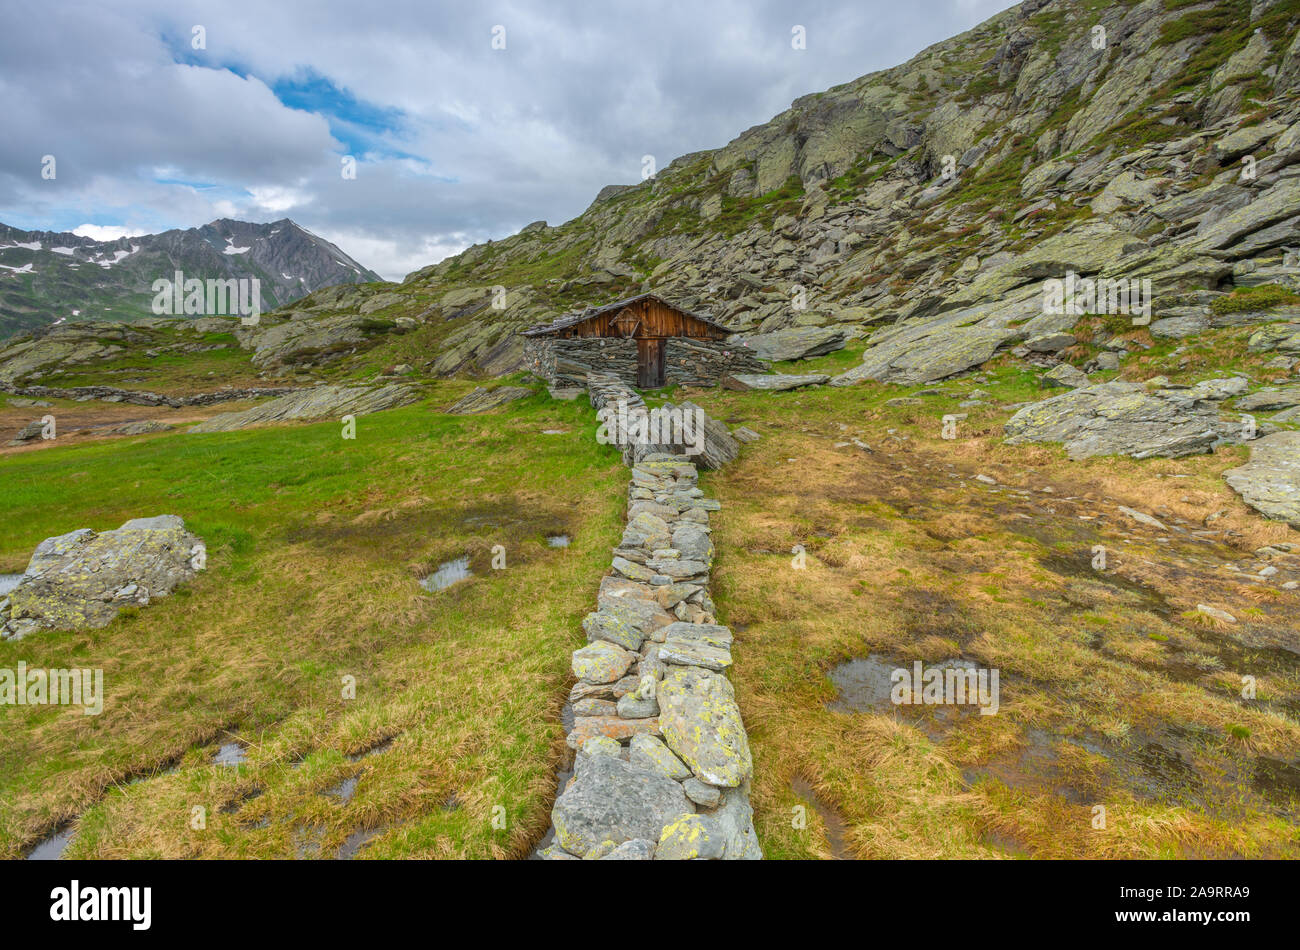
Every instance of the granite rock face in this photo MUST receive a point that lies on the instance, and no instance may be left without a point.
(80, 580)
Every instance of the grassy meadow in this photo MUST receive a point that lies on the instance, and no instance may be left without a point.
(315, 545)
(1115, 691)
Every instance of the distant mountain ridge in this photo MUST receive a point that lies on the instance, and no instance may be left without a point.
(49, 276)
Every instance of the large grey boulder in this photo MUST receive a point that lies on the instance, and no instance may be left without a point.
(1274, 204)
(799, 343)
(735, 818)
(80, 580)
(610, 800)
(1270, 481)
(1122, 418)
(319, 402)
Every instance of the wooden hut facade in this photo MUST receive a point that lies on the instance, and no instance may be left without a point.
(645, 340)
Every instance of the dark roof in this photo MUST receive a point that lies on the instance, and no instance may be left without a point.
(569, 319)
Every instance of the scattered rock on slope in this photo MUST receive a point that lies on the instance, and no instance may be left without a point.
(1122, 418)
(81, 580)
(1270, 481)
(319, 402)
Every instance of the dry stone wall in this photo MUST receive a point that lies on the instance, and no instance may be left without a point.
(662, 765)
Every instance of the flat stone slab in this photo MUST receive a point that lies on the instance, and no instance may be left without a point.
(483, 399)
(774, 382)
(1270, 481)
(1269, 400)
(701, 723)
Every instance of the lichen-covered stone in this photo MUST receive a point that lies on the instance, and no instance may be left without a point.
(701, 723)
(601, 662)
(1123, 418)
(647, 752)
(690, 837)
(638, 849)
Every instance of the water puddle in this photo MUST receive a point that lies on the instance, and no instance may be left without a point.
(863, 685)
(52, 848)
(1277, 779)
(232, 754)
(866, 684)
(233, 808)
(355, 842)
(558, 540)
(344, 790)
(8, 582)
(836, 828)
(448, 573)
(377, 749)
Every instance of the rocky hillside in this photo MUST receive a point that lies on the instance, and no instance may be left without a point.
(922, 206)
(1103, 138)
(48, 277)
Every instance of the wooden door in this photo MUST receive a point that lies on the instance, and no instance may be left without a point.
(649, 364)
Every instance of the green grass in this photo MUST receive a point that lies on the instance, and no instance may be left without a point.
(1248, 299)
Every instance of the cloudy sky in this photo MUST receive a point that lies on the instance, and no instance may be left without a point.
(167, 113)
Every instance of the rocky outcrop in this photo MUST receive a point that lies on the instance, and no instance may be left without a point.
(1270, 481)
(314, 341)
(926, 350)
(319, 402)
(662, 763)
(1123, 418)
(80, 580)
(795, 344)
(483, 399)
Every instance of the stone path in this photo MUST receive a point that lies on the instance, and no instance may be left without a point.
(662, 763)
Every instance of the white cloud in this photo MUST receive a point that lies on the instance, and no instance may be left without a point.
(485, 141)
(98, 232)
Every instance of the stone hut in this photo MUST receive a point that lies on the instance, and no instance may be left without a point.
(645, 341)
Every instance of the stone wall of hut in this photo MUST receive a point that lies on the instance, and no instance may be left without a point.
(688, 362)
